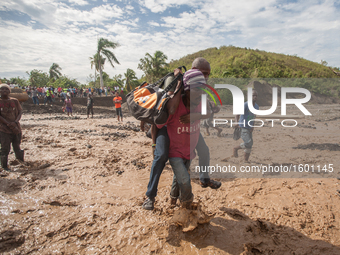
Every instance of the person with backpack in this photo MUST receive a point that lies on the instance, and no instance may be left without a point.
(184, 135)
(161, 143)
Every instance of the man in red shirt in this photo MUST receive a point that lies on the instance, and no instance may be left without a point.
(118, 104)
(183, 128)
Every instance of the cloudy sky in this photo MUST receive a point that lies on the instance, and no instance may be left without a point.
(36, 33)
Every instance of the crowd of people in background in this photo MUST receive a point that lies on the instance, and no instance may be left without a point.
(50, 94)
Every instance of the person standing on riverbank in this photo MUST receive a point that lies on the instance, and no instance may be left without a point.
(118, 105)
(89, 105)
(35, 96)
(10, 130)
(69, 105)
(246, 123)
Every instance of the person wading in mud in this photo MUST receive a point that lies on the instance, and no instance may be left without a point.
(245, 123)
(184, 131)
(10, 130)
(160, 146)
(208, 122)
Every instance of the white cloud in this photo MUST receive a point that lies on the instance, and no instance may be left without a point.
(78, 2)
(95, 16)
(290, 29)
(56, 14)
(27, 49)
(309, 29)
(155, 6)
(159, 6)
(153, 23)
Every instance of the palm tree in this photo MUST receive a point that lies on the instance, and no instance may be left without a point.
(95, 60)
(103, 49)
(55, 71)
(117, 81)
(154, 67)
(130, 77)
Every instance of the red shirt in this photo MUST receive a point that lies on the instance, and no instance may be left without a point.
(183, 137)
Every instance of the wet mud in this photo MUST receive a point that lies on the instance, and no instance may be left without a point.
(81, 188)
(322, 146)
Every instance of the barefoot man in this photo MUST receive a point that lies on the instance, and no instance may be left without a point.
(246, 125)
(10, 130)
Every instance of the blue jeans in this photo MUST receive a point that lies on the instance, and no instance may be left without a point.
(161, 157)
(158, 164)
(181, 184)
(204, 158)
(48, 99)
(35, 100)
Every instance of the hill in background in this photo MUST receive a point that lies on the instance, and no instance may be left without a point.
(229, 62)
(247, 63)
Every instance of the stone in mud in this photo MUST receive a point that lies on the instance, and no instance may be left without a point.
(3, 174)
(89, 146)
(138, 163)
(44, 166)
(189, 219)
(73, 149)
(10, 239)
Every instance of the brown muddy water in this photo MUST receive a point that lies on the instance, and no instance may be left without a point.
(81, 189)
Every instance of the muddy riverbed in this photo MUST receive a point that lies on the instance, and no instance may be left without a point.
(83, 182)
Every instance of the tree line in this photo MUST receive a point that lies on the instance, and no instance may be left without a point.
(226, 62)
(154, 67)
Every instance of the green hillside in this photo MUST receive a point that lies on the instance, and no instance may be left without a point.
(232, 63)
(247, 63)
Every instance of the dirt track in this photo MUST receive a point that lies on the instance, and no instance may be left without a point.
(83, 183)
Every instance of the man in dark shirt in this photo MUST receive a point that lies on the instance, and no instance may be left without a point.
(89, 105)
(10, 130)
